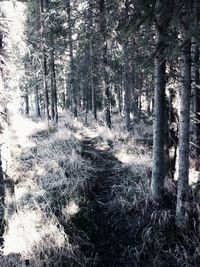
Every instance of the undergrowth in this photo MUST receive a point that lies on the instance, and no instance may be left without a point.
(54, 184)
(144, 232)
(48, 175)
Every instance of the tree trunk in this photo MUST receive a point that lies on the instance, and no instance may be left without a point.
(184, 125)
(158, 172)
(63, 99)
(52, 97)
(164, 12)
(127, 101)
(93, 92)
(94, 104)
(119, 92)
(37, 102)
(54, 104)
(72, 64)
(172, 133)
(196, 91)
(26, 100)
(2, 202)
(46, 94)
(55, 89)
(106, 86)
(2, 178)
(195, 85)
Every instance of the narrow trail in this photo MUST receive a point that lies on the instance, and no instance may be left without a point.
(93, 218)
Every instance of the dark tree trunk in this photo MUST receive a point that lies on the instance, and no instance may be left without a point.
(26, 100)
(172, 133)
(127, 101)
(94, 105)
(55, 89)
(196, 91)
(52, 98)
(72, 64)
(45, 72)
(2, 177)
(91, 65)
(63, 97)
(196, 84)
(119, 91)
(106, 85)
(37, 102)
(158, 172)
(54, 104)
(164, 12)
(2, 204)
(46, 94)
(184, 125)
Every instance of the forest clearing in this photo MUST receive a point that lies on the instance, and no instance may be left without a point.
(100, 133)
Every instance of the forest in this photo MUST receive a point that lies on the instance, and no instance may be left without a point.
(100, 133)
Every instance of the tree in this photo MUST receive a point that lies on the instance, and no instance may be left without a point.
(106, 85)
(163, 16)
(45, 73)
(91, 64)
(183, 179)
(72, 63)
(195, 84)
(37, 101)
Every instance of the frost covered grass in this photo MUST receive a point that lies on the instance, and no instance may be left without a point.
(48, 173)
(54, 184)
(143, 230)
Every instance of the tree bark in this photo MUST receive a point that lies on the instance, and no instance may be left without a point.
(2, 178)
(45, 72)
(119, 91)
(54, 104)
(94, 105)
(184, 125)
(26, 100)
(172, 133)
(196, 91)
(127, 101)
(164, 11)
(93, 92)
(72, 64)
(196, 84)
(55, 89)
(106, 85)
(158, 172)
(2, 202)
(52, 97)
(37, 102)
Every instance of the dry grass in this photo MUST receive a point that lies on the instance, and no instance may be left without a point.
(50, 180)
(48, 173)
(144, 232)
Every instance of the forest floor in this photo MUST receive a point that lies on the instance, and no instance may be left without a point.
(66, 194)
(80, 196)
(103, 248)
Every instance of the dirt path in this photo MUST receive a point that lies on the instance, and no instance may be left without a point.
(93, 218)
